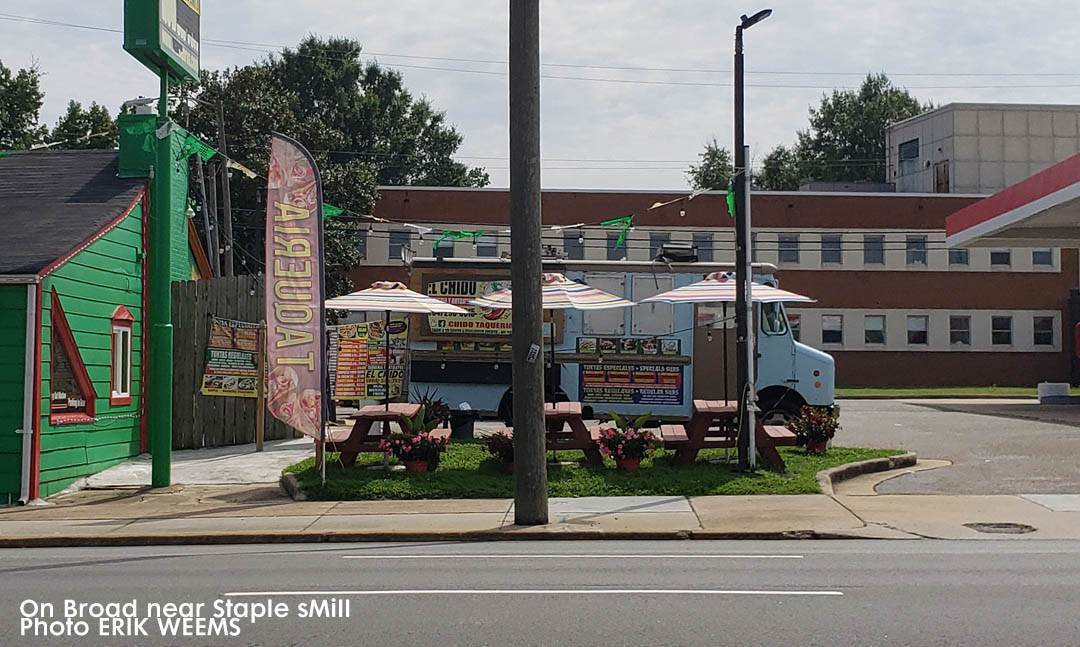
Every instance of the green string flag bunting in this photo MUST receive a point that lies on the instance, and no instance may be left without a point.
(330, 211)
(195, 146)
(457, 235)
(626, 223)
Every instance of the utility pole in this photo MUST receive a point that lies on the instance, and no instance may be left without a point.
(530, 450)
(742, 236)
(226, 196)
(215, 224)
(211, 248)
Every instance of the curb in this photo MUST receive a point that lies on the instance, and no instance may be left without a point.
(937, 396)
(827, 478)
(291, 485)
(217, 539)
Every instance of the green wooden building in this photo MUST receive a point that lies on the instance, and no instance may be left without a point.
(73, 294)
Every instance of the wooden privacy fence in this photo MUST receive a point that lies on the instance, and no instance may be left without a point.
(213, 421)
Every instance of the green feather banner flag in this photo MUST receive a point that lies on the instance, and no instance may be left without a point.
(731, 198)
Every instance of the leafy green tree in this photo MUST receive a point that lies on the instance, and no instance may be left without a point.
(844, 143)
(780, 170)
(715, 169)
(846, 138)
(20, 102)
(80, 129)
(358, 120)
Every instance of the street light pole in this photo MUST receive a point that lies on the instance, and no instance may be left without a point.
(742, 235)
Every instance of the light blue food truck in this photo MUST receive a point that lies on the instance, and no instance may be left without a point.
(630, 360)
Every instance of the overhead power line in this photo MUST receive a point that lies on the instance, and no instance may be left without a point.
(270, 48)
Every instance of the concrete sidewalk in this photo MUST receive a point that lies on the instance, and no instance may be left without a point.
(263, 514)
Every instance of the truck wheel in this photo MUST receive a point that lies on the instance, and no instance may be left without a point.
(780, 410)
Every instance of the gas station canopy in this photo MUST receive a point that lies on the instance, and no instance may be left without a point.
(1041, 211)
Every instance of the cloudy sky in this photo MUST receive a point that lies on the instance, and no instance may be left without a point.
(607, 123)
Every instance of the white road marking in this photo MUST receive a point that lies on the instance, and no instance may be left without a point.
(570, 556)
(532, 592)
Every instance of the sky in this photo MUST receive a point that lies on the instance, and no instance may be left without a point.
(606, 126)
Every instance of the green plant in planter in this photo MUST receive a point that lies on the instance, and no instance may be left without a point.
(435, 408)
(814, 428)
(627, 442)
(501, 446)
(416, 443)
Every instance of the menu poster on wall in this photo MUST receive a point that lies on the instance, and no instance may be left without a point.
(360, 359)
(630, 384)
(231, 362)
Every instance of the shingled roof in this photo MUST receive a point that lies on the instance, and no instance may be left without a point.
(50, 201)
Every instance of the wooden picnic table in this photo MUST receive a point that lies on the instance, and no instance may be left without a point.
(560, 415)
(699, 433)
(352, 442)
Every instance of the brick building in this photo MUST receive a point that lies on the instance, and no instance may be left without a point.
(895, 306)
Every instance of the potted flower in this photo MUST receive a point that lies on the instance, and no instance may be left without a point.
(415, 447)
(501, 445)
(435, 411)
(627, 443)
(814, 428)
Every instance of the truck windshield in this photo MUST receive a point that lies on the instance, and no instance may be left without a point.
(773, 321)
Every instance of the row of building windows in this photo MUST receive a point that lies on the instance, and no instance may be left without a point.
(918, 330)
(788, 249)
(915, 251)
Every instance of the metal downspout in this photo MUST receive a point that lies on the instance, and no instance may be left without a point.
(27, 430)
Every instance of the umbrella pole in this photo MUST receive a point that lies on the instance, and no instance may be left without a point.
(724, 316)
(551, 319)
(386, 379)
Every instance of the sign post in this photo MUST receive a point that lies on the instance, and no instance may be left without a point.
(164, 36)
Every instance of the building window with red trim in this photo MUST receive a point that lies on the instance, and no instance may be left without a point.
(120, 388)
(71, 393)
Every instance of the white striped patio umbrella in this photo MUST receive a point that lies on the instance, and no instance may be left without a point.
(391, 296)
(720, 287)
(559, 293)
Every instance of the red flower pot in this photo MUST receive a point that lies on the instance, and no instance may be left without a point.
(817, 448)
(507, 468)
(628, 464)
(416, 466)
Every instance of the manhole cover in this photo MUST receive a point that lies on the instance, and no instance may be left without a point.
(1001, 528)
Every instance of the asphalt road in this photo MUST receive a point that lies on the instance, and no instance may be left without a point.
(578, 593)
(991, 454)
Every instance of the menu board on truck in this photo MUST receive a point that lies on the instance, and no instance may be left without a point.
(360, 359)
(613, 383)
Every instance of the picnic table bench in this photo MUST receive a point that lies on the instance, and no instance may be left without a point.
(559, 416)
(353, 442)
(699, 433)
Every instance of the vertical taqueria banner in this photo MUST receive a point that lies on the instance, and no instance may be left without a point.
(294, 288)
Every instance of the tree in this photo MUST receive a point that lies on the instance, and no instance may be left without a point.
(846, 138)
(358, 120)
(82, 129)
(780, 170)
(715, 170)
(20, 102)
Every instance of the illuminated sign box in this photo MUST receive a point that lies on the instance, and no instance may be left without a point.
(164, 35)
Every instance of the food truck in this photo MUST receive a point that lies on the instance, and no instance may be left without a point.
(628, 360)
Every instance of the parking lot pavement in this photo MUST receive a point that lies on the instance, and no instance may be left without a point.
(996, 448)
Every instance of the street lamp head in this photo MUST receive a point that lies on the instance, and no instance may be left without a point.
(747, 23)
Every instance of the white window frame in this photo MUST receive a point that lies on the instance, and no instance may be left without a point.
(882, 330)
(1047, 250)
(925, 319)
(1011, 330)
(121, 361)
(823, 329)
(967, 320)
